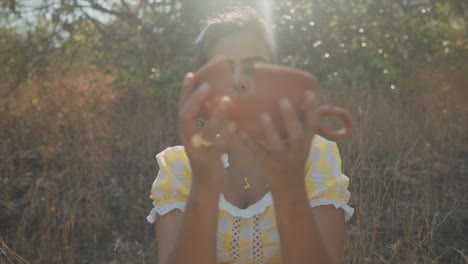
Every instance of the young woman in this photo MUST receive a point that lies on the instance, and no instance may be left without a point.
(262, 202)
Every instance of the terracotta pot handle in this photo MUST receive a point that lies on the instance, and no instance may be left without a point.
(345, 117)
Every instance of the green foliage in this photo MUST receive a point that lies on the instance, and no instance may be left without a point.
(167, 83)
(361, 42)
(370, 43)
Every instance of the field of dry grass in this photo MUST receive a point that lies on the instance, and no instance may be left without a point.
(77, 162)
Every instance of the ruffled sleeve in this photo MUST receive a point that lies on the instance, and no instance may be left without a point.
(171, 188)
(325, 183)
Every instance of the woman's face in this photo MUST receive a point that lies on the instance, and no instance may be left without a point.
(243, 49)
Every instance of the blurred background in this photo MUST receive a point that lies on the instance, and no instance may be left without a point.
(88, 90)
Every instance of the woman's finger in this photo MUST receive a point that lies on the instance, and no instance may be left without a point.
(252, 146)
(293, 125)
(190, 109)
(223, 140)
(217, 121)
(312, 114)
(271, 132)
(187, 89)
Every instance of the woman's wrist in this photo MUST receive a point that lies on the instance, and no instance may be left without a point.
(208, 178)
(286, 183)
(289, 193)
(203, 193)
(290, 198)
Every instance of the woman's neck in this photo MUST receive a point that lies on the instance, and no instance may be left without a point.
(240, 157)
(245, 185)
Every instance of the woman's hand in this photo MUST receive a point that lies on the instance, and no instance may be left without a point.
(283, 162)
(205, 161)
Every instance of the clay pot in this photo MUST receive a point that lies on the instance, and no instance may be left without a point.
(267, 84)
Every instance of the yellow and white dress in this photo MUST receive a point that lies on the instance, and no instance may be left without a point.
(250, 235)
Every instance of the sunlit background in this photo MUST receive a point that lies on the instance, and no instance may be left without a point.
(88, 90)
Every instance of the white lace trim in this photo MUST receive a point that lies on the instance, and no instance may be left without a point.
(254, 209)
(349, 211)
(164, 209)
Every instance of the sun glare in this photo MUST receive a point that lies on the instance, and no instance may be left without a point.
(265, 8)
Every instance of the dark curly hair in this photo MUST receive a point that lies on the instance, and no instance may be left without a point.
(239, 19)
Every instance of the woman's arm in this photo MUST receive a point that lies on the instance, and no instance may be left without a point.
(304, 237)
(190, 237)
(308, 235)
(196, 234)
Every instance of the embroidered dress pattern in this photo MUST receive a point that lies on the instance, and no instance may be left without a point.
(234, 249)
(257, 240)
(250, 235)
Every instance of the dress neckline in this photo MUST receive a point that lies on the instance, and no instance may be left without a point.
(254, 209)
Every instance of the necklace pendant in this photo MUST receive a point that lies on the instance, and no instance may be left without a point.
(247, 184)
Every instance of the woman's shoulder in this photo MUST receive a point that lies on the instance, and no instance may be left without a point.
(172, 184)
(325, 182)
(173, 152)
(173, 158)
(324, 158)
(323, 149)
(321, 143)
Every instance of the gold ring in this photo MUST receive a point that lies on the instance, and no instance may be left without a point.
(199, 142)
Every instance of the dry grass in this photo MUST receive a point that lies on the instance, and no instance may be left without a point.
(77, 162)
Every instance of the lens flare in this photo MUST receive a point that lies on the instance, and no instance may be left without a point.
(265, 8)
